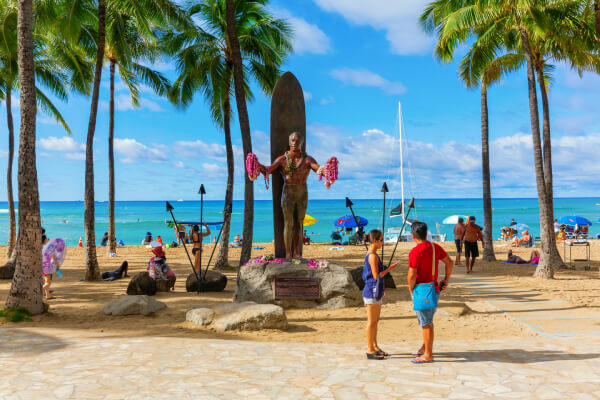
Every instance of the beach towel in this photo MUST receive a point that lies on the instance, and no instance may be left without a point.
(258, 248)
(506, 262)
(336, 248)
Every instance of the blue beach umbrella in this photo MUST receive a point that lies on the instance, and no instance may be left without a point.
(574, 220)
(520, 227)
(347, 221)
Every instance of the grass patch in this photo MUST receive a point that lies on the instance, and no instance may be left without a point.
(16, 314)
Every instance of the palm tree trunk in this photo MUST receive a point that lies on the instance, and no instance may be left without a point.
(544, 269)
(556, 259)
(488, 250)
(92, 270)
(26, 289)
(223, 256)
(12, 223)
(112, 243)
(240, 99)
(597, 12)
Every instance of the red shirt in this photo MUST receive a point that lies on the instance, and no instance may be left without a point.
(420, 259)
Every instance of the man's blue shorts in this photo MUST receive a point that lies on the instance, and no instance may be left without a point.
(425, 317)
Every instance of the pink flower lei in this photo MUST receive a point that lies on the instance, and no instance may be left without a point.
(253, 169)
(330, 171)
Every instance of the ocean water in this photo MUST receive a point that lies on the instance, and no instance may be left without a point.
(135, 218)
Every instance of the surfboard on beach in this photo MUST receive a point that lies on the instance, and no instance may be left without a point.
(287, 116)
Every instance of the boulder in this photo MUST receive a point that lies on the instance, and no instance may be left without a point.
(133, 305)
(200, 316)
(248, 316)
(165, 285)
(357, 277)
(141, 284)
(338, 290)
(213, 282)
(7, 271)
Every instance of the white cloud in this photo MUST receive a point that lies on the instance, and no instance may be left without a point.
(307, 96)
(364, 77)
(308, 38)
(3, 153)
(47, 120)
(325, 101)
(200, 149)
(452, 169)
(134, 151)
(399, 20)
(62, 144)
(66, 145)
(123, 103)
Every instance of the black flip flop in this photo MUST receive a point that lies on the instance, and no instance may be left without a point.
(382, 353)
(374, 356)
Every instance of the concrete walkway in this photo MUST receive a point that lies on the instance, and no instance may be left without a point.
(562, 363)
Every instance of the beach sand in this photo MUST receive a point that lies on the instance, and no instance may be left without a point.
(78, 304)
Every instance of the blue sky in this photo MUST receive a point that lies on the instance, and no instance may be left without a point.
(355, 60)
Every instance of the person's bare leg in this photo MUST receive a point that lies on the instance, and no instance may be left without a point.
(472, 263)
(371, 327)
(428, 342)
(457, 259)
(46, 287)
(467, 264)
(197, 256)
(376, 315)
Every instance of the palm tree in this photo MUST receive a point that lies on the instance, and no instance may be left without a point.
(92, 270)
(47, 73)
(26, 290)
(55, 68)
(525, 26)
(204, 60)
(232, 10)
(132, 40)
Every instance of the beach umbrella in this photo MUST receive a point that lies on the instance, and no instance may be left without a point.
(308, 220)
(453, 219)
(347, 221)
(520, 227)
(574, 220)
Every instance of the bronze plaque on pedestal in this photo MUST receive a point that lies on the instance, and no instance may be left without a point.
(297, 288)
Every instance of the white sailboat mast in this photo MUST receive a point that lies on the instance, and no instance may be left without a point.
(401, 157)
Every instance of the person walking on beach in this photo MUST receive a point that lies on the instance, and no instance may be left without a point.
(472, 234)
(196, 237)
(373, 273)
(420, 260)
(459, 236)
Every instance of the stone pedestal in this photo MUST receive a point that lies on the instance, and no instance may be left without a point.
(337, 288)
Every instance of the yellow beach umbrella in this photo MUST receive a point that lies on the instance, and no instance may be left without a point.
(308, 220)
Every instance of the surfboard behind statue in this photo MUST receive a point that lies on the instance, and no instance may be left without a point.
(287, 116)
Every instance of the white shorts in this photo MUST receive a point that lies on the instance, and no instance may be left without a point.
(372, 301)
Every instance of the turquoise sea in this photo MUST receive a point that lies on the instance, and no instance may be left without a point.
(135, 218)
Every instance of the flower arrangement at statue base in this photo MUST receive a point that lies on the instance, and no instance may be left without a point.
(270, 259)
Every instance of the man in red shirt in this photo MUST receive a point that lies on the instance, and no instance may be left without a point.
(420, 271)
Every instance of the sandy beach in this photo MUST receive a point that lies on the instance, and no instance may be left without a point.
(78, 304)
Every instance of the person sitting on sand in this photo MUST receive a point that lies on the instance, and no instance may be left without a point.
(147, 239)
(196, 237)
(524, 240)
(373, 292)
(336, 237)
(305, 237)
(236, 241)
(119, 273)
(534, 258)
(158, 268)
(104, 240)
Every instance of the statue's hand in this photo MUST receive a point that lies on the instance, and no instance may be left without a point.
(321, 170)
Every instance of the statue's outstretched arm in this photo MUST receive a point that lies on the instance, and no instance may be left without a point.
(269, 170)
(313, 164)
